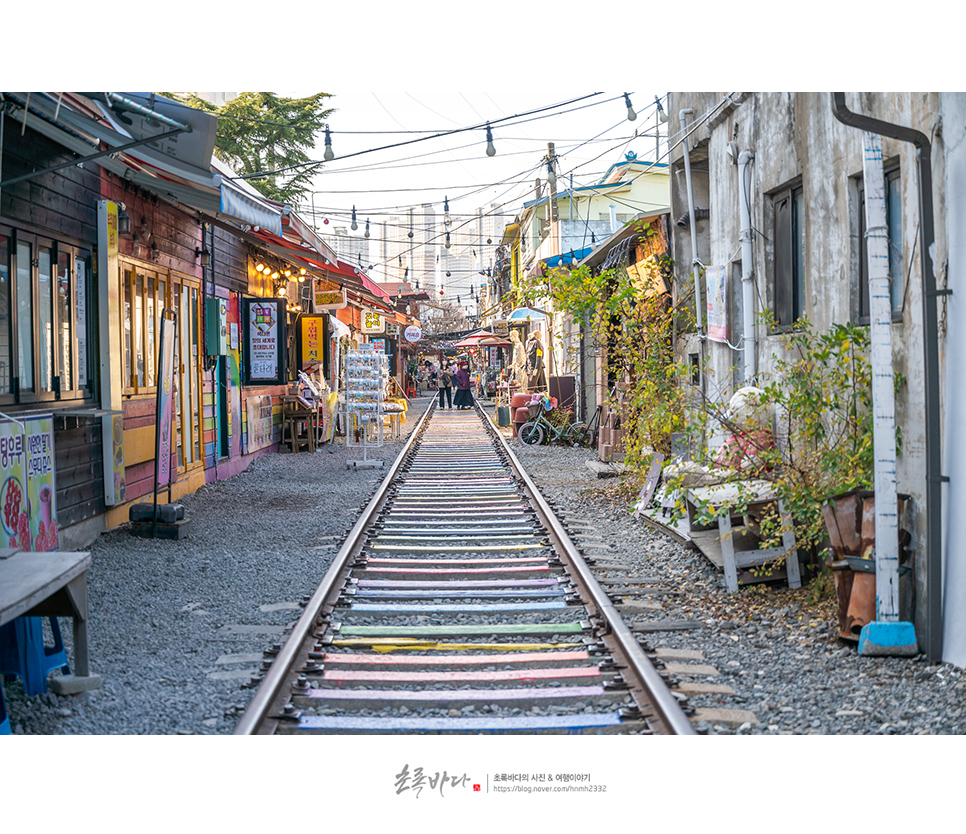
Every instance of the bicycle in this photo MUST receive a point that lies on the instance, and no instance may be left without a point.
(591, 429)
(534, 432)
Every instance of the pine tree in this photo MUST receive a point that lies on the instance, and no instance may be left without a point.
(263, 132)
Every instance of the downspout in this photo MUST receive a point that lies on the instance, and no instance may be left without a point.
(747, 269)
(695, 263)
(930, 343)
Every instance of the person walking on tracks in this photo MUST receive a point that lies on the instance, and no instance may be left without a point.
(445, 382)
(464, 396)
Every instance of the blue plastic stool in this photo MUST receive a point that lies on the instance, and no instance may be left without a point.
(23, 652)
(4, 718)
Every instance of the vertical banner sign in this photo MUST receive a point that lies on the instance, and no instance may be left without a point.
(312, 340)
(165, 405)
(110, 351)
(41, 482)
(716, 278)
(13, 492)
(28, 487)
(265, 342)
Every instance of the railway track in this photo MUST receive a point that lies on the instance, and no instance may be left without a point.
(459, 604)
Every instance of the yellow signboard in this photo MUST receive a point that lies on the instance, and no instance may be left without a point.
(312, 339)
(373, 322)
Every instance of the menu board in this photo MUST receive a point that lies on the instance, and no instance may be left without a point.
(264, 341)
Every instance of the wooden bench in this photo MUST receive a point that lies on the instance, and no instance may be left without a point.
(739, 546)
(50, 584)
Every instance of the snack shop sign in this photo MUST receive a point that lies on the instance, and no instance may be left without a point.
(28, 491)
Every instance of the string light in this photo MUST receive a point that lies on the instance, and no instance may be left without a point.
(367, 228)
(354, 225)
(490, 149)
(631, 115)
(328, 156)
(660, 110)
(446, 218)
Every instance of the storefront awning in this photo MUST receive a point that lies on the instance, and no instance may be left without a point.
(181, 170)
(568, 257)
(526, 314)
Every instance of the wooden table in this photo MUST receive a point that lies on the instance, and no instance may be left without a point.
(294, 415)
(50, 585)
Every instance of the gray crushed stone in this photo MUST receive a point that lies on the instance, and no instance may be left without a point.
(178, 629)
(777, 648)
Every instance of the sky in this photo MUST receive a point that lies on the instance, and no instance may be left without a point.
(589, 135)
(590, 131)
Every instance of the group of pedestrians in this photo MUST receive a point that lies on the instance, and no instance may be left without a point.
(458, 375)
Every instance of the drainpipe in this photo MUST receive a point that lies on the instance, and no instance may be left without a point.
(930, 344)
(747, 268)
(695, 263)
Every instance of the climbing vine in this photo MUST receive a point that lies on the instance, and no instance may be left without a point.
(627, 316)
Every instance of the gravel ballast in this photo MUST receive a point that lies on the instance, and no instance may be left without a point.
(777, 648)
(178, 628)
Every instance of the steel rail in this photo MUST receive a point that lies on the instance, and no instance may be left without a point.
(268, 691)
(664, 703)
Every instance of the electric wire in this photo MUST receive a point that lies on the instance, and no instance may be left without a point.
(420, 139)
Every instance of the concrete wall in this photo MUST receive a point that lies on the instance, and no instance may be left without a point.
(796, 136)
(954, 461)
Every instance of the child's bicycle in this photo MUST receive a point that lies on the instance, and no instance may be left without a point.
(541, 429)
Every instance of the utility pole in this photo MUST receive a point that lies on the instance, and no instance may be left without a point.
(552, 180)
(555, 231)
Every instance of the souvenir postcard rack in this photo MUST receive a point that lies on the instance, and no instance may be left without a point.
(366, 376)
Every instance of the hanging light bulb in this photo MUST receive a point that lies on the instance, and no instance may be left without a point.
(354, 225)
(631, 115)
(551, 174)
(367, 228)
(448, 244)
(441, 292)
(490, 150)
(660, 110)
(328, 156)
(446, 218)
(259, 267)
(448, 274)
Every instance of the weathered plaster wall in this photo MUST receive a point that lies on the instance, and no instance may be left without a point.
(954, 459)
(795, 136)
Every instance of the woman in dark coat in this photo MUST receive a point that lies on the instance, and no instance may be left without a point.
(464, 397)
